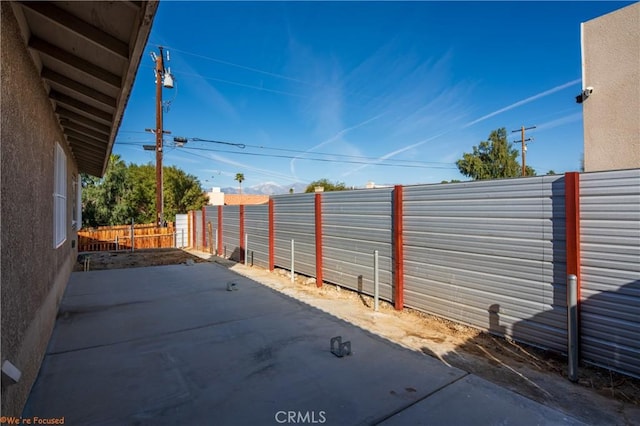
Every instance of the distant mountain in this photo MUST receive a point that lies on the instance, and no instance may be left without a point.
(267, 188)
(272, 188)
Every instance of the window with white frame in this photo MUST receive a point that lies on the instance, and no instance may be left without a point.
(60, 197)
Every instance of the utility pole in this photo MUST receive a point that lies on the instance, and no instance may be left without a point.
(524, 147)
(159, 135)
(163, 78)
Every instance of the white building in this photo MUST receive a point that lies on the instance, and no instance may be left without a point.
(216, 198)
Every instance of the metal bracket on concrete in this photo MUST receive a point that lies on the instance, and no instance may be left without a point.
(341, 349)
(11, 372)
(231, 286)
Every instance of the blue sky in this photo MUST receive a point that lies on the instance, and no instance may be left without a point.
(389, 92)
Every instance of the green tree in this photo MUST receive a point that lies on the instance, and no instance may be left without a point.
(89, 194)
(103, 200)
(142, 197)
(182, 192)
(327, 185)
(239, 177)
(493, 159)
(129, 192)
(530, 171)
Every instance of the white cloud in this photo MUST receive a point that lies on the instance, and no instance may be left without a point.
(560, 121)
(244, 166)
(452, 128)
(333, 138)
(525, 101)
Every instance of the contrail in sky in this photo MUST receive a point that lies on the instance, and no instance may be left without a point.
(560, 121)
(221, 159)
(396, 152)
(494, 113)
(333, 138)
(524, 101)
(245, 166)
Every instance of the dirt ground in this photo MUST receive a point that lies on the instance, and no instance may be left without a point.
(600, 396)
(139, 258)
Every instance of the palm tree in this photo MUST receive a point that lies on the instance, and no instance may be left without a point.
(240, 178)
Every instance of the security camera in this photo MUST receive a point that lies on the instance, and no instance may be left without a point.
(584, 94)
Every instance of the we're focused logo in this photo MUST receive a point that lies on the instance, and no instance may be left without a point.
(301, 417)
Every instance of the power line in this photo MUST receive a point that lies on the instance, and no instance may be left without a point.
(272, 74)
(249, 86)
(266, 155)
(239, 145)
(254, 169)
(220, 61)
(307, 152)
(343, 155)
(180, 141)
(416, 165)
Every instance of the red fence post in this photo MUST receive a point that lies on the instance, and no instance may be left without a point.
(272, 236)
(220, 230)
(204, 228)
(572, 225)
(242, 247)
(188, 231)
(398, 249)
(318, 211)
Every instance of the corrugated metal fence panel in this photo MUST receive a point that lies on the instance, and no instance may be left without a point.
(231, 232)
(354, 224)
(211, 217)
(197, 244)
(610, 251)
(182, 230)
(295, 220)
(490, 254)
(256, 226)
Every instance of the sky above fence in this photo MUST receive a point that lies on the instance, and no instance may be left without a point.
(360, 91)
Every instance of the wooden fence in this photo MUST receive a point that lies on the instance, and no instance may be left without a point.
(123, 237)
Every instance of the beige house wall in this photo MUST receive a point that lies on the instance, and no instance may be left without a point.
(245, 199)
(34, 274)
(216, 198)
(611, 65)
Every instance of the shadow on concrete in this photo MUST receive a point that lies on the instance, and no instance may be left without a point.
(364, 301)
(609, 350)
(608, 330)
(547, 329)
(158, 345)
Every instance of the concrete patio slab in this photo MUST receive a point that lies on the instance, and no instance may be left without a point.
(170, 344)
(472, 400)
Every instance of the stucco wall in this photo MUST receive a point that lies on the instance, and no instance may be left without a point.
(216, 198)
(34, 274)
(611, 65)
